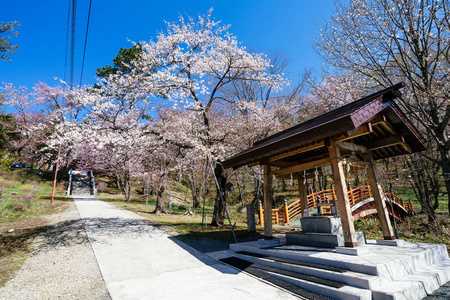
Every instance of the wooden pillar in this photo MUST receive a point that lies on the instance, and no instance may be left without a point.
(303, 193)
(267, 203)
(380, 205)
(345, 211)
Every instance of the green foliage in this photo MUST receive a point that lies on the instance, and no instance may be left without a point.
(8, 130)
(121, 61)
(6, 159)
(6, 33)
(25, 193)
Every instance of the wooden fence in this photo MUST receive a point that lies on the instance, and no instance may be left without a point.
(356, 195)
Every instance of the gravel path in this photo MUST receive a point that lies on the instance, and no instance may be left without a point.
(62, 266)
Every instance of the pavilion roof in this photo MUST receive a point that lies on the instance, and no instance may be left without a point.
(375, 122)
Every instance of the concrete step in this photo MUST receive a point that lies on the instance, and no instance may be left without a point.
(324, 240)
(416, 285)
(81, 185)
(405, 271)
(306, 255)
(354, 279)
(335, 289)
(343, 293)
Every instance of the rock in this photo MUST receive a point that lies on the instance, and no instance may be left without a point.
(11, 230)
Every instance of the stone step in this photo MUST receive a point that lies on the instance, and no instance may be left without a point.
(354, 279)
(324, 240)
(343, 293)
(416, 285)
(293, 253)
(81, 185)
(405, 271)
(334, 289)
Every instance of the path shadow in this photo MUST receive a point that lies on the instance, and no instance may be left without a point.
(62, 234)
(100, 229)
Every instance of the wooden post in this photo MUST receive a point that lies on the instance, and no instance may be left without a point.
(303, 193)
(261, 213)
(267, 203)
(286, 212)
(380, 205)
(345, 211)
(56, 174)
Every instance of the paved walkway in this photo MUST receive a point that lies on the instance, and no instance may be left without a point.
(138, 261)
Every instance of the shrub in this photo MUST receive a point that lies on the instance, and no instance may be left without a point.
(101, 186)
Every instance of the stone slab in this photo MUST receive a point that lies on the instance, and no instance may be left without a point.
(351, 251)
(391, 242)
(323, 240)
(321, 224)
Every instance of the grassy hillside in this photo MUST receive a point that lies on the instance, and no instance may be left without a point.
(24, 200)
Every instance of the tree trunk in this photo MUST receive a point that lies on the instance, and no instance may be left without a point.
(161, 192)
(258, 195)
(196, 197)
(425, 183)
(445, 161)
(241, 196)
(219, 208)
(195, 190)
(127, 188)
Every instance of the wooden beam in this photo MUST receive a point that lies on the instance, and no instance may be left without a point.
(351, 147)
(308, 176)
(279, 163)
(303, 193)
(296, 151)
(380, 118)
(388, 127)
(301, 167)
(345, 211)
(382, 212)
(254, 164)
(386, 142)
(360, 131)
(407, 147)
(267, 203)
(355, 161)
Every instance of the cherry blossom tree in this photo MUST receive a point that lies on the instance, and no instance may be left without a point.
(189, 65)
(36, 114)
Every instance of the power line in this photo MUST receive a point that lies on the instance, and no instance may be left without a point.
(85, 41)
(72, 45)
(67, 41)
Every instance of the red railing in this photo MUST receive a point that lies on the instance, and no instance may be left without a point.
(356, 195)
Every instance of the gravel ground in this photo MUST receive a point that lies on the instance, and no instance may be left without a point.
(62, 265)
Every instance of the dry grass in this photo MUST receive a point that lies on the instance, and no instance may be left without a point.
(413, 229)
(26, 199)
(189, 228)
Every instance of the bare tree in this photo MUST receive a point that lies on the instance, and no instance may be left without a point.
(388, 41)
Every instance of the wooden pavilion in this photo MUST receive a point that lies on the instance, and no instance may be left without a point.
(368, 129)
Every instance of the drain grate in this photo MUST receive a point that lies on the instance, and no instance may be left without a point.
(295, 262)
(249, 268)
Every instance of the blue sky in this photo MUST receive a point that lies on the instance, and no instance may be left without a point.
(287, 26)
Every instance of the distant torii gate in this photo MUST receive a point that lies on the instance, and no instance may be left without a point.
(360, 132)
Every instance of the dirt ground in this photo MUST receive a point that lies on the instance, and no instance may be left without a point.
(61, 265)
